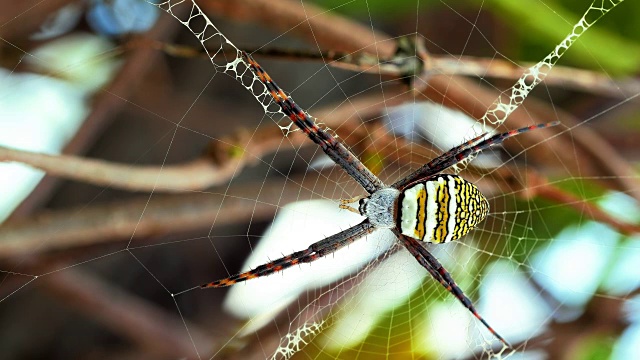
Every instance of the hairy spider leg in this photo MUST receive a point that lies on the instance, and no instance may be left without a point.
(312, 253)
(463, 151)
(497, 139)
(456, 149)
(441, 275)
(334, 149)
(477, 141)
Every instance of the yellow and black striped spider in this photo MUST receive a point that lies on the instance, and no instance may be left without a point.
(424, 206)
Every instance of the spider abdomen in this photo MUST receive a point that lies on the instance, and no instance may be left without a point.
(441, 209)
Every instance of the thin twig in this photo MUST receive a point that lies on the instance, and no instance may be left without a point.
(313, 23)
(166, 214)
(539, 186)
(146, 325)
(561, 76)
(104, 106)
(230, 155)
(364, 62)
(601, 155)
(196, 175)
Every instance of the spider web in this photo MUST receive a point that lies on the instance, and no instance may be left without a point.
(370, 300)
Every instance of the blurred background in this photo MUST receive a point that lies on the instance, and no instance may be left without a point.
(163, 173)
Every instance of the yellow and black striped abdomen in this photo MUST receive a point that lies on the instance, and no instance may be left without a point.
(441, 209)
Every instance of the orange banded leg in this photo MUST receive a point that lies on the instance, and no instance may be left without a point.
(457, 149)
(441, 275)
(298, 257)
(463, 151)
(334, 149)
(499, 138)
(312, 253)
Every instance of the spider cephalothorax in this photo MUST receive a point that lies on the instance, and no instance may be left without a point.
(381, 208)
(426, 205)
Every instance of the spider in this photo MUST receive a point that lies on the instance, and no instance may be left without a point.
(425, 206)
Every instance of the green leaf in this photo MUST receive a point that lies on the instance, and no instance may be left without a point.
(547, 23)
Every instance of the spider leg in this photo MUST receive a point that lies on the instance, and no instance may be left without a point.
(457, 149)
(334, 149)
(463, 151)
(312, 253)
(441, 275)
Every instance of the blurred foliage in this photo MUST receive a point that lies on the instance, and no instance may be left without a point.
(407, 318)
(374, 161)
(595, 348)
(604, 47)
(540, 211)
(401, 320)
(610, 46)
(382, 8)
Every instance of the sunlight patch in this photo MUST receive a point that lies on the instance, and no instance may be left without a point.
(569, 268)
(387, 286)
(264, 297)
